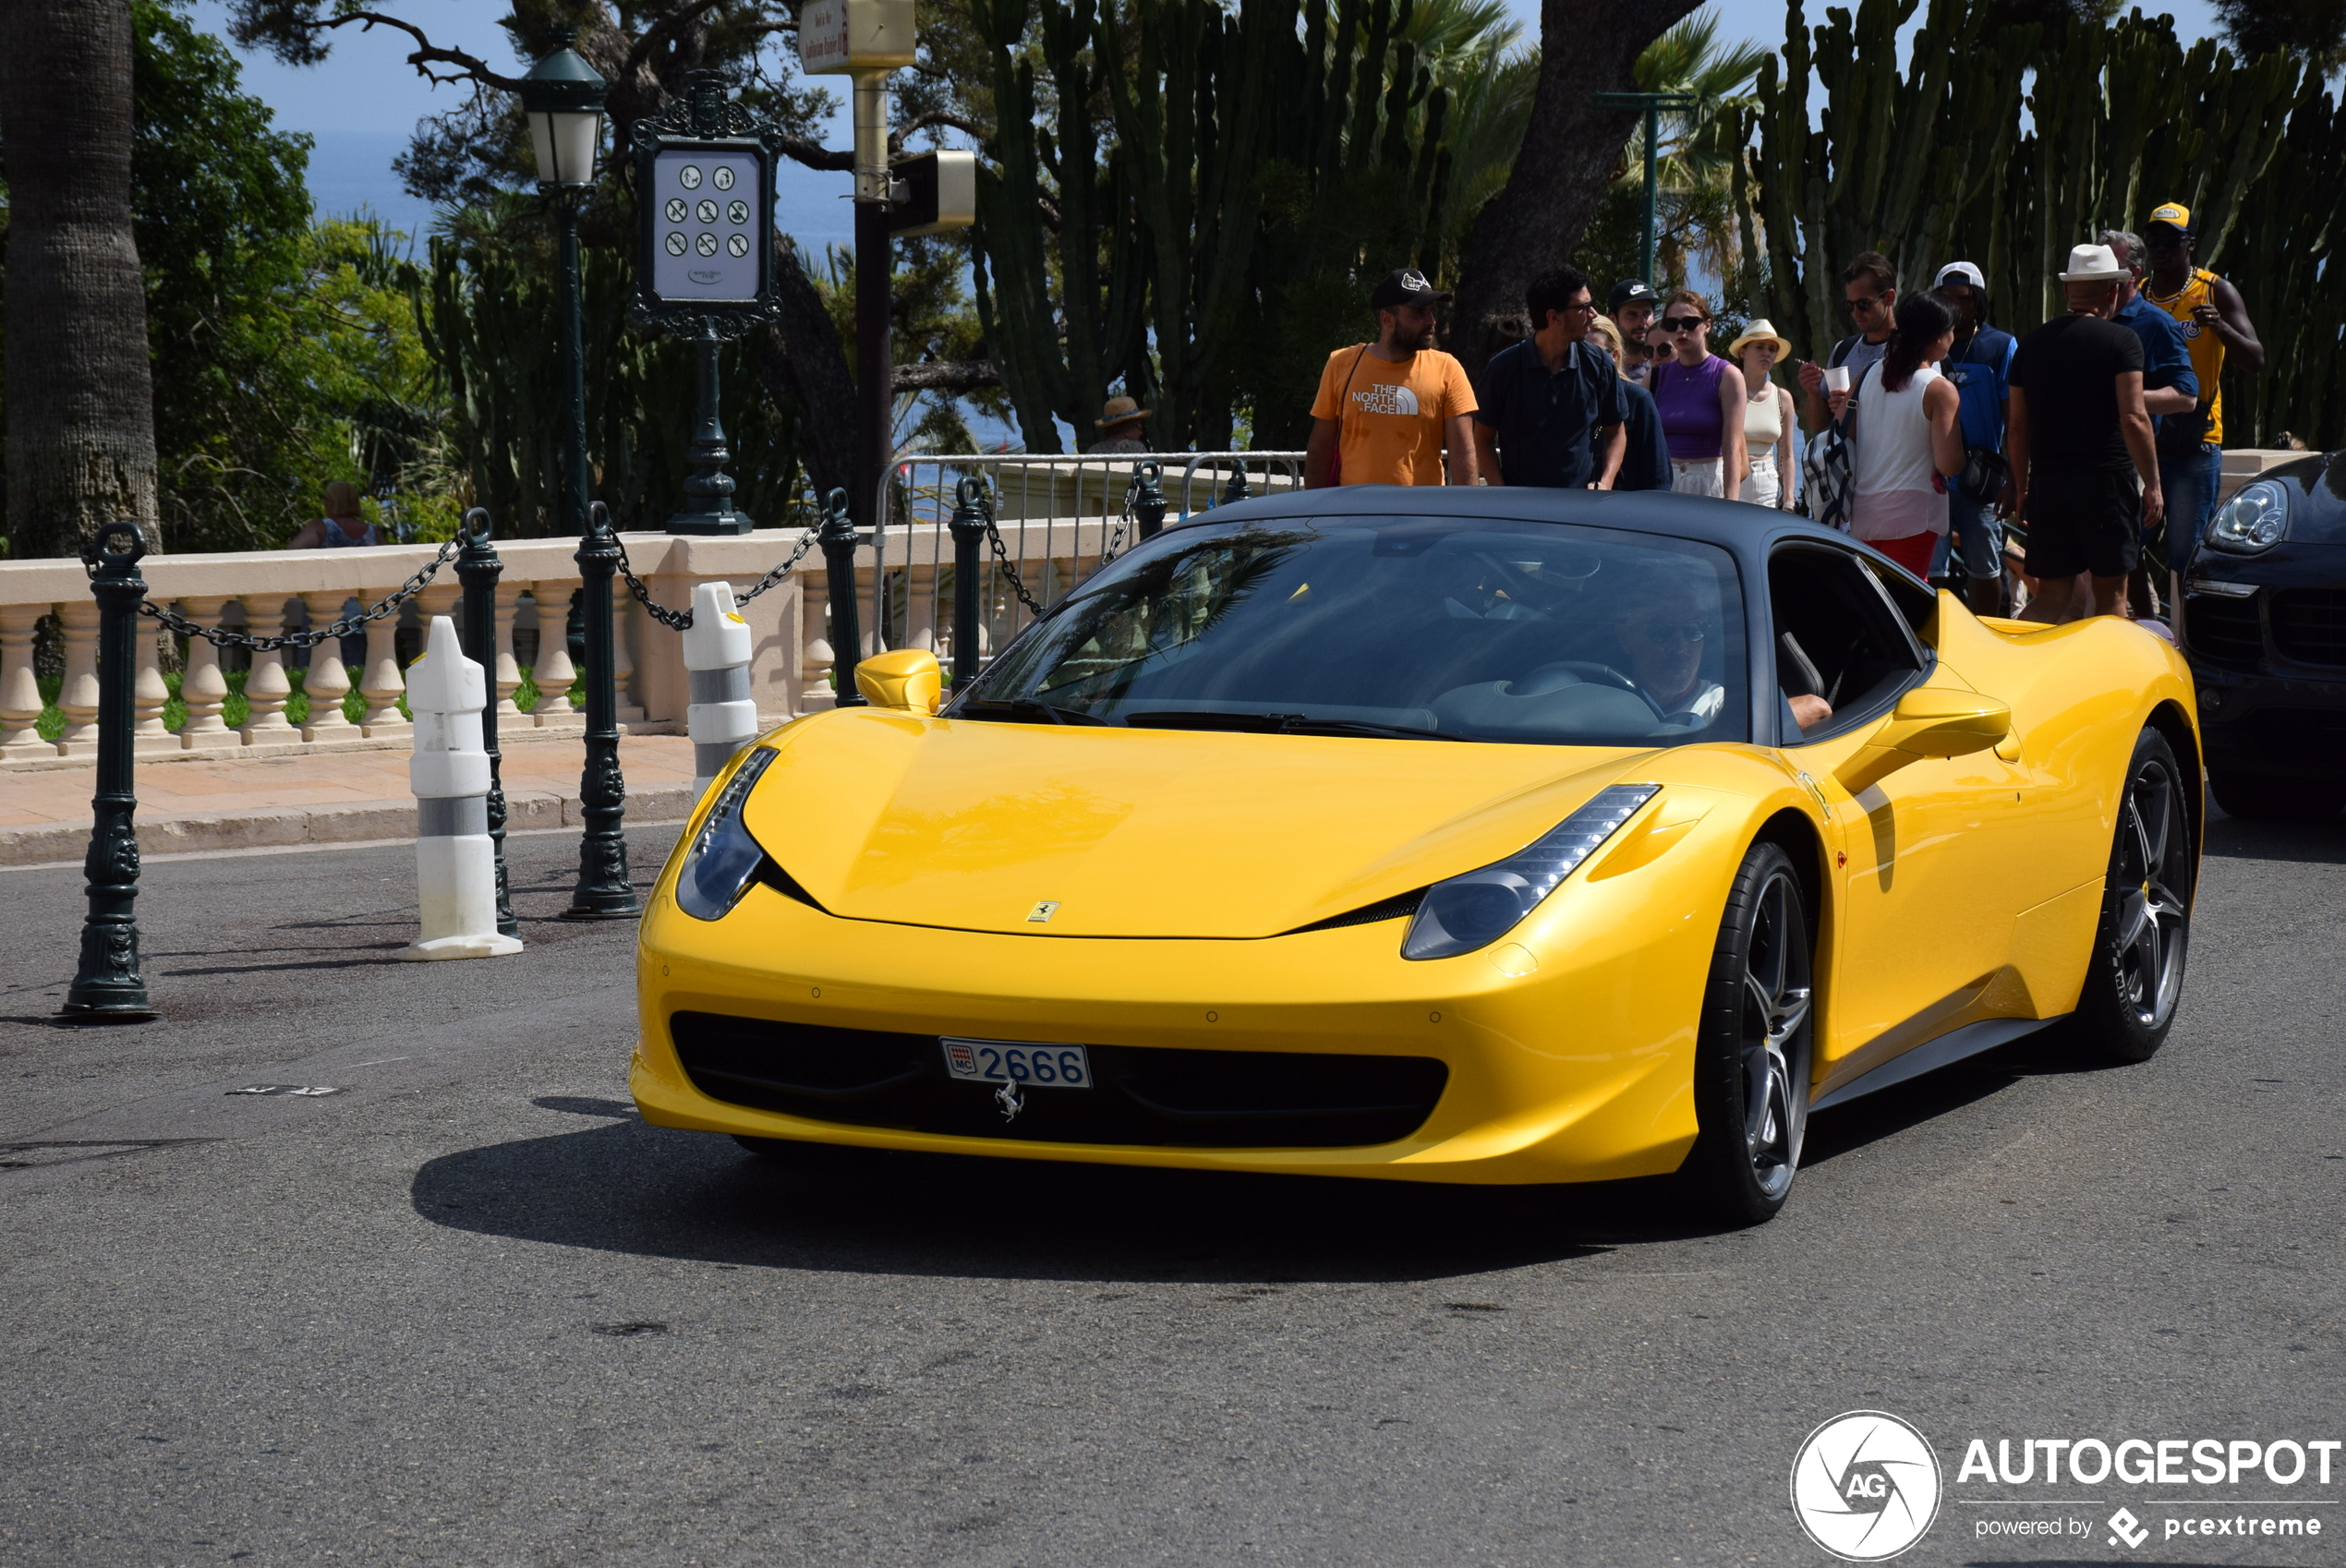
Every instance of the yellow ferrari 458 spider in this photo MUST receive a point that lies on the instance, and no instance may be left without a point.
(1500, 836)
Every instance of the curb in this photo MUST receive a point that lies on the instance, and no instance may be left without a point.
(288, 826)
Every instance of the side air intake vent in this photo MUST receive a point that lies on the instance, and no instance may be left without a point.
(1399, 907)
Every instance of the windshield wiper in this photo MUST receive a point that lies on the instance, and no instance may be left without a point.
(1280, 724)
(1020, 707)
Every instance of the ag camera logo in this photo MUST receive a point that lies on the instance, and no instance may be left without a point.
(1866, 1486)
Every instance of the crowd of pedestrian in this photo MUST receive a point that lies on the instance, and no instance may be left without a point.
(2043, 467)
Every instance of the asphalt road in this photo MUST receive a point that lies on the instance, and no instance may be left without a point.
(469, 1311)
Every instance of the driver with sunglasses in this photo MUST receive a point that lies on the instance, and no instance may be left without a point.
(1662, 630)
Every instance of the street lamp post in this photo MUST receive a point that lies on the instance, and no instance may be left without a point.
(562, 97)
(1653, 103)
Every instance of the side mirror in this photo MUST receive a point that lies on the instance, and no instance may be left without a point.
(1928, 721)
(908, 680)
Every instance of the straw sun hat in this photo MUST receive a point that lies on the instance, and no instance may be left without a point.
(1119, 411)
(1761, 330)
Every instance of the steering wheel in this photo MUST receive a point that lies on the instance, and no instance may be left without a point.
(1592, 673)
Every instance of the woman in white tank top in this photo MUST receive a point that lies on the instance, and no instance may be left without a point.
(1766, 414)
(1908, 438)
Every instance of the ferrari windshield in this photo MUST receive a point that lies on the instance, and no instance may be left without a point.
(1433, 628)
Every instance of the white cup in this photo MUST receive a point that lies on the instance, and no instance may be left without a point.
(1836, 378)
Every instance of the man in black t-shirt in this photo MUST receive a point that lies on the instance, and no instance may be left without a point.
(2081, 446)
(1551, 406)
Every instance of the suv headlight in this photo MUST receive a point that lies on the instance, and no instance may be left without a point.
(1478, 908)
(724, 859)
(2254, 520)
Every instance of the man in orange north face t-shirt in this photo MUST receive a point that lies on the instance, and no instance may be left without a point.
(1387, 410)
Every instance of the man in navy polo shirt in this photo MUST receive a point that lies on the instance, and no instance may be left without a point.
(2169, 384)
(1979, 366)
(1552, 406)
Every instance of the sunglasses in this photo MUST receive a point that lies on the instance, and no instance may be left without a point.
(1683, 323)
(1870, 303)
(1660, 632)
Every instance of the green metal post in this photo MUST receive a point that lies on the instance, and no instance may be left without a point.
(1653, 185)
(107, 988)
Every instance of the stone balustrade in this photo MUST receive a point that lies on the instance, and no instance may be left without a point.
(267, 591)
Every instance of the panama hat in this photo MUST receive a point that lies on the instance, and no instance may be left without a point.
(2094, 264)
(1119, 411)
(1761, 330)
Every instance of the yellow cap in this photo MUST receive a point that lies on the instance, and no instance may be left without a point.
(2174, 214)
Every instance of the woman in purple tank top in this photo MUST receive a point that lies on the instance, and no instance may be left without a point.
(1700, 396)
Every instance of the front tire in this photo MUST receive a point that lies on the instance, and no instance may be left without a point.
(2137, 973)
(1753, 1047)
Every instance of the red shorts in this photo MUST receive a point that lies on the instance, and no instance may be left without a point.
(1913, 552)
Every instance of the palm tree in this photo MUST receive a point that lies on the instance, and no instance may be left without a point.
(81, 416)
(1476, 51)
(1698, 144)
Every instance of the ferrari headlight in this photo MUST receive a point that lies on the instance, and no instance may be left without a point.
(1477, 909)
(724, 859)
(2254, 520)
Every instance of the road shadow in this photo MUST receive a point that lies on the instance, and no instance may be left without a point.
(2235, 838)
(627, 1187)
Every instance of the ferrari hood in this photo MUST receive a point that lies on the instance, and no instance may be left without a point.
(1115, 832)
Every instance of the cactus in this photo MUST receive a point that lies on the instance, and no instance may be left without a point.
(1248, 157)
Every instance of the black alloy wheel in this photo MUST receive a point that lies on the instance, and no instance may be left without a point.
(2264, 797)
(2137, 973)
(1754, 1046)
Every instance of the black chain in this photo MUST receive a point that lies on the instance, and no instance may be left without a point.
(221, 637)
(681, 620)
(1009, 568)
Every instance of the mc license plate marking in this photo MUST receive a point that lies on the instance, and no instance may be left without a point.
(1035, 1062)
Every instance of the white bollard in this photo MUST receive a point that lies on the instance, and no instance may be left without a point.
(723, 717)
(455, 865)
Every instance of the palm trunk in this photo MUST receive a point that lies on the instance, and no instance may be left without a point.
(81, 432)
(1570, 150)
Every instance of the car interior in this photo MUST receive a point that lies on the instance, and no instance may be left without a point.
(1600, 639)
(1838, 637)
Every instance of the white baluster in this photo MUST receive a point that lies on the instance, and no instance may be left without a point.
(381, 683)
(147, 692)
(80, 697)
(555, 674)
(623, 662)
(814, 616)
(508, 673)
(266, 687)
(203, 688)
(328, 682)
(19, 685)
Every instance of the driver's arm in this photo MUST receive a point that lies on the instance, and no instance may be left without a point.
(1809, 711)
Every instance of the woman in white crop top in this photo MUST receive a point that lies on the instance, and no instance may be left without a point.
(1767, 415)
(1907, 439)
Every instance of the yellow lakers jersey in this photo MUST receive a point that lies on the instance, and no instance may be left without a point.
(2207, 349)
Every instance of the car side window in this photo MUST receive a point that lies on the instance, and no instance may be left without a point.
(1842, 654)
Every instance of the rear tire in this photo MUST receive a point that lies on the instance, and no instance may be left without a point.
(2137, 973)
(2262, 797)
(1753, 1047)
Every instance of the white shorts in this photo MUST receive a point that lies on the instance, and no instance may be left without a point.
(1698, 476)
(1762, 486)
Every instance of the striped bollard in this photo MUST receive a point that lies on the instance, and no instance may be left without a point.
(456, 863)
(723, 719)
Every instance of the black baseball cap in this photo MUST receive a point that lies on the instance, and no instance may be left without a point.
(1405, 285)
(1623, 292)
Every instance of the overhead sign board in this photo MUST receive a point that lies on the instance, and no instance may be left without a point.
(836, 37)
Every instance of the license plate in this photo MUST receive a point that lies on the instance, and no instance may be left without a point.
(1018, 1061)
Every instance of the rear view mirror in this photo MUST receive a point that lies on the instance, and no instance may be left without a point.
(1928, 721)
(907, 680)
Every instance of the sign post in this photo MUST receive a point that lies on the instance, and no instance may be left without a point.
(705, 266)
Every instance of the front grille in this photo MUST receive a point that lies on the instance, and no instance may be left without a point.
(2309, 624)
(1144, 1094)
(2223, 629)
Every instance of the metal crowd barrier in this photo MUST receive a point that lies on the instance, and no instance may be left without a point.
(1058, 518)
